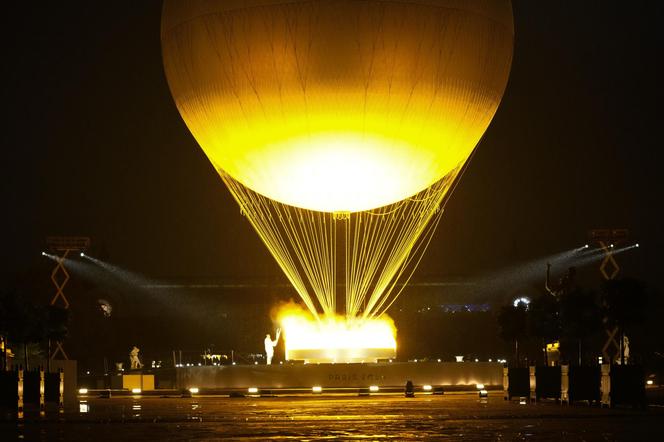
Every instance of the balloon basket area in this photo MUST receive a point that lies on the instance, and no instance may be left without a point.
(316, 378)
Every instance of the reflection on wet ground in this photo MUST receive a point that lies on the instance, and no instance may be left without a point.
(334, 417)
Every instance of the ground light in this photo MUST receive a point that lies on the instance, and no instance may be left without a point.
(136, 390)
(252, 390)
(193, 390)
(373, 388)
(427, 387)
(317, 389)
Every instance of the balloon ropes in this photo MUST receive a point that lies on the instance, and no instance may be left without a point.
(340, 126)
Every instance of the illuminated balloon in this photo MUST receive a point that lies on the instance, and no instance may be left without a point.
(337, 105)
(340, 127)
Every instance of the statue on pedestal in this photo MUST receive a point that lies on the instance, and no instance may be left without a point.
(134, 360)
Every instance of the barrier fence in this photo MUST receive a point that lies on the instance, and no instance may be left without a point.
(606, 385)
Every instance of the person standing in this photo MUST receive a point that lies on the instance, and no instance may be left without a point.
(269, 346)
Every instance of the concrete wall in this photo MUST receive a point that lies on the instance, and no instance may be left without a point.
(341, 375)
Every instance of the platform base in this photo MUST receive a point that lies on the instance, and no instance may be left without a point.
(382, 374)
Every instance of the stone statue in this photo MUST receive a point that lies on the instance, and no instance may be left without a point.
(626, 349)
(133, 358)
(269, 346)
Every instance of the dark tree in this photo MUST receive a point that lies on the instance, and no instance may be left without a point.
(513, 323)
(544, 320)
(580, 316)
(23, 323)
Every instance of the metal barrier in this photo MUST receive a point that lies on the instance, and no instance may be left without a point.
(516, 382)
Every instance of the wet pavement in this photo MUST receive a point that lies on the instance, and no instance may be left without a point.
(389, 417)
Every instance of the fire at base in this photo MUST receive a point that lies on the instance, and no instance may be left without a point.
(336, 339)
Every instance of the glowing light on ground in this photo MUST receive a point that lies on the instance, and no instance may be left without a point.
(336, 338)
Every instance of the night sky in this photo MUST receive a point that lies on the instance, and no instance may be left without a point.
(94, 145)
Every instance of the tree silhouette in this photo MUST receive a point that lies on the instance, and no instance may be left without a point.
(513, 321)
(24, 323)
(544, 320)
(580, 316)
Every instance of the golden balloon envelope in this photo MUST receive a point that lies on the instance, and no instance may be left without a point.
(337, 105)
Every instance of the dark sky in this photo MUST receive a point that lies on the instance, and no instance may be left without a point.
(93, 145)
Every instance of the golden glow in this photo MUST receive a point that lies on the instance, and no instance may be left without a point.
(337, 106)
(336, 339)
(330, 164)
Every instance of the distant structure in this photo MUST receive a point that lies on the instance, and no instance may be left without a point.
(61, 247)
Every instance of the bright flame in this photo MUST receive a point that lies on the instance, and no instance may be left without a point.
(335, 338)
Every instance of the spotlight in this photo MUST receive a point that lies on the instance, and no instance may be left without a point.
(586, 246)
(636, 245)
(480, 386)
(136, 390)
(82, 391)
(373, 388)
(82, 255)
(611, 245)
(649, 382)
(426, 387)
(484, 393)
(193, 390)
(252, 390)
(43, 253)
(317, 389)
(522, 300)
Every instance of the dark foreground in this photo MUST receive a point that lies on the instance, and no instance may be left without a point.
(335, 417)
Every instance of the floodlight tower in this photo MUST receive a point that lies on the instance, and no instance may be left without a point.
(61, 247)
(608, 240)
